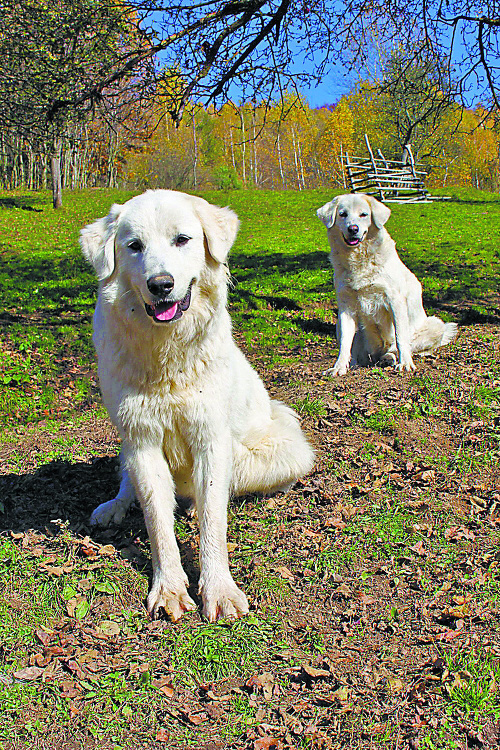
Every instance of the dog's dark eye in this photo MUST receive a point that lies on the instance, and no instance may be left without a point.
(136, 246)
(343, 214)
(364, 215)
(182, 239)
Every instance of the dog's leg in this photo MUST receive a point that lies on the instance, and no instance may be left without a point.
(403, 337)
(114, 511)
(212, 477)
(347, 325)
(155, 490)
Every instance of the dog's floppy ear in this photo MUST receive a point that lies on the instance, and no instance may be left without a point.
(220, 226)
(380, 212)
(97, 241)
(328, 212)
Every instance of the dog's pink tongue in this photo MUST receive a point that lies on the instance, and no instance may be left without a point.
(167, 314)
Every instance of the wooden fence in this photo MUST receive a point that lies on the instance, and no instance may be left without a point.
(386, 179)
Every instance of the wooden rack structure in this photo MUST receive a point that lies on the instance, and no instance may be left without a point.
(386, 179)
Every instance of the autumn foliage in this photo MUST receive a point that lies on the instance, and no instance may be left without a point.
(290, 146)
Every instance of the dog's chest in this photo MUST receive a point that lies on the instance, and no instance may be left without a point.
(160, 416)
(371, 302)
(365, 285)
(363, 274)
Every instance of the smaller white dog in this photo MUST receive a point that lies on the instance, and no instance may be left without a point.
(381, 316)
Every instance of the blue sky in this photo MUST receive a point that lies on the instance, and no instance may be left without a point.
(329, 91)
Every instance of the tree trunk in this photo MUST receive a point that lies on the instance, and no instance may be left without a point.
(243, 149)
(282, 174)
(195, 159)
(55, 169)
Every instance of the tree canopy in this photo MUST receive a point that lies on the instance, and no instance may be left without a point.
(62, 61)
(70, 55)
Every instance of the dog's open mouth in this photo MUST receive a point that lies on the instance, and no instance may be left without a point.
(166, 311)
(353, 241)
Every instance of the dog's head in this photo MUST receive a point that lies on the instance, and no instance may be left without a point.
(159, 243)
(352, 216)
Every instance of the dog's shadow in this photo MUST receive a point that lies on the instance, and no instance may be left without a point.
(60, 496)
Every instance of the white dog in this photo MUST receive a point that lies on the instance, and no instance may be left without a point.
(379, 298)
(194, 417)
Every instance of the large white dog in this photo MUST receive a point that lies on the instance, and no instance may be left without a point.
(194, 417)
(381, 316)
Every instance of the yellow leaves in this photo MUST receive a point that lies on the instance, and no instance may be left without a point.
(294, 146)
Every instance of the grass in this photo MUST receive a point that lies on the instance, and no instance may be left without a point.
(473, 687)
(282, 283)
(373, 585)
(310, 405)
(216, 652)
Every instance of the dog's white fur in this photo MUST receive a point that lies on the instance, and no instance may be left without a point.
(381, 316)
(194, 417)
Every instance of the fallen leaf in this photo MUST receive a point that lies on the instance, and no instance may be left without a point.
(314, 673)
(343, 590)
(69, 689)
(28, 673)
(285, 573)
(75, 668)
(419, 548)
(341, 694)
(459, 532)
(395, 685)
(196, 719)
(77, 607)
(426, 475)
(266, 743)
(365, 598)
(162, 736)
(107, 550)
(164, 685)
(43, 636)
(210, 695)
(108, 627)
(74, 710)
(265, 682)
(337, 523)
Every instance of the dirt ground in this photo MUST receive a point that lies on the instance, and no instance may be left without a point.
(381, 565)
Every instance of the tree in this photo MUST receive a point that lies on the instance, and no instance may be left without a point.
(60, 61)
(51, 55)
(415, 95)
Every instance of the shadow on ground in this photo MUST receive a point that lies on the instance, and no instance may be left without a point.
(25, 202)
(62, 495)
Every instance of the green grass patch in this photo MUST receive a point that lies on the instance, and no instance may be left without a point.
(217, 651)
(281, 298)
(473, 689)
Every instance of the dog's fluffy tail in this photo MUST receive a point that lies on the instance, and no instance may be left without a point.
(432, 334)
(272, 459)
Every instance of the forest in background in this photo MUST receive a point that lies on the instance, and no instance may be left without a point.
(208, 95)
(253, 145)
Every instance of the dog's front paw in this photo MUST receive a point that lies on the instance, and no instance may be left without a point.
(222, 598)
(169, 593)
(338, 369)
(114, 511)
(406, 365)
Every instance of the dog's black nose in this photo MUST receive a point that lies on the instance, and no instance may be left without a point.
(161, 284)
(353, 229)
